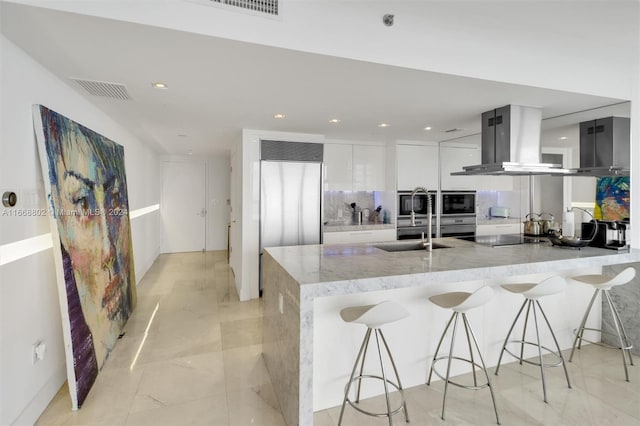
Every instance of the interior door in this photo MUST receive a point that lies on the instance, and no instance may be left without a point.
(183, 206)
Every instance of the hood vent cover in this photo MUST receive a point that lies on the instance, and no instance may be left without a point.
(104, 90)
(605, 147)
(511, 144)
(264, 6)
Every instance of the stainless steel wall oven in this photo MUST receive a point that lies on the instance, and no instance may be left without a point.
(405, 230)
(458, 214)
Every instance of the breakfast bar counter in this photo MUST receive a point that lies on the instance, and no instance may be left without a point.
(305, 286)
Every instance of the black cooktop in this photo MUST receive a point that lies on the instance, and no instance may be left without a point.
(504, 239)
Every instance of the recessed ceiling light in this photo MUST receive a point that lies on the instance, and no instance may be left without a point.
(428, 128)
(334, 120)
(563, 138)
(159, 85)
(383, 125)
(190, 152)
(279, 116)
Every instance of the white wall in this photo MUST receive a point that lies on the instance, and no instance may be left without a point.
(29, 309)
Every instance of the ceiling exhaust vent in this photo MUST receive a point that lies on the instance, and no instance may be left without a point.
(453, 130)
(104, 90)
(264, 6)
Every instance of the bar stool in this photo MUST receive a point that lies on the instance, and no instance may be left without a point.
(602, 284)
(374, 317)
(461, 302)
(532, 292)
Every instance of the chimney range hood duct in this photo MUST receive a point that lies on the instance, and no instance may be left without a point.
(605, 147)
(511, 144)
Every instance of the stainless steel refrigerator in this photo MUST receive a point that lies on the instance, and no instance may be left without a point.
(290, 204)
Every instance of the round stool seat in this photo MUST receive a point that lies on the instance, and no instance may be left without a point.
(607, 281)
(374, 316)
(462, 301)
(535, 291)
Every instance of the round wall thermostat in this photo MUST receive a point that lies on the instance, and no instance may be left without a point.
(9, 199)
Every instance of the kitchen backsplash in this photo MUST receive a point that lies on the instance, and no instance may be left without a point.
(511, 199)
(337, 210)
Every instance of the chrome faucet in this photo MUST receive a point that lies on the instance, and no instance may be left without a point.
(428, 244)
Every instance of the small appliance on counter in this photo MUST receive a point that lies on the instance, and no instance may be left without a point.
(611, 234)
(503, 212)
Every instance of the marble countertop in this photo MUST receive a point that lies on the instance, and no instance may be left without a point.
(333, 269)
(363, 227)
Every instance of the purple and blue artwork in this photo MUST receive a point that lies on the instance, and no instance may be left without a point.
(86, 188)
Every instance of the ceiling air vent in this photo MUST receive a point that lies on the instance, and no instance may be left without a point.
(263, 6)
(104, 89)
(453, 130)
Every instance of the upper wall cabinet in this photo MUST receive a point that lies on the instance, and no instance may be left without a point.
(338, 161)
(354, 167)
(452, 159)
(417, 166)
(369, 168)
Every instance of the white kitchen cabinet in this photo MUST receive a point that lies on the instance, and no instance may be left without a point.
(354, 167)
(499, 229)
(369, 168)
(338, 161)
(417, 166)
(368, 236)
(452, 159)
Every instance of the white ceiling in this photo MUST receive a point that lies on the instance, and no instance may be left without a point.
(218, 87)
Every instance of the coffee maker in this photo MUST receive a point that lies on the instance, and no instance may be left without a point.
(612, 234)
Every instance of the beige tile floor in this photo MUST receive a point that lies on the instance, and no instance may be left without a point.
(192, 355)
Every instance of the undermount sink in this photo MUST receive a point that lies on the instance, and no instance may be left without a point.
(406, 245)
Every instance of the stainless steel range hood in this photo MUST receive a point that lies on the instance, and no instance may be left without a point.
(605, 147)
(511, 144)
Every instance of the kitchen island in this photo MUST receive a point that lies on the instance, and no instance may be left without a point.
(306, 286)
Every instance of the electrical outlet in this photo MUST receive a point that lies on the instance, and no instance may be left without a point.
(38, 351)
(280, 303)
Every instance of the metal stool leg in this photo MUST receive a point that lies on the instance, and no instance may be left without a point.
(484, 367)
(364, 355)
(353, 372)
(624, 332)
(473, 365)
(544, 386)
(446, 382)
(384, 379)
(435, 355)
(622, 344)
(524, 332)
(506, 340)
(564, 366)
(395, 370)
(580, 331)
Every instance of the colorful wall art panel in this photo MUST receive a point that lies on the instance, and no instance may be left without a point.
(86, 186)
(612, 198)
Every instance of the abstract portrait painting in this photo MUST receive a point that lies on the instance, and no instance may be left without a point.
(85, 182)
(613, 195)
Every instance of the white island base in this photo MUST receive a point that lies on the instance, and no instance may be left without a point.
(309, 350)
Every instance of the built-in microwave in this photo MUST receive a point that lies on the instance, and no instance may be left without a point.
(458, 203)
(419, 204)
